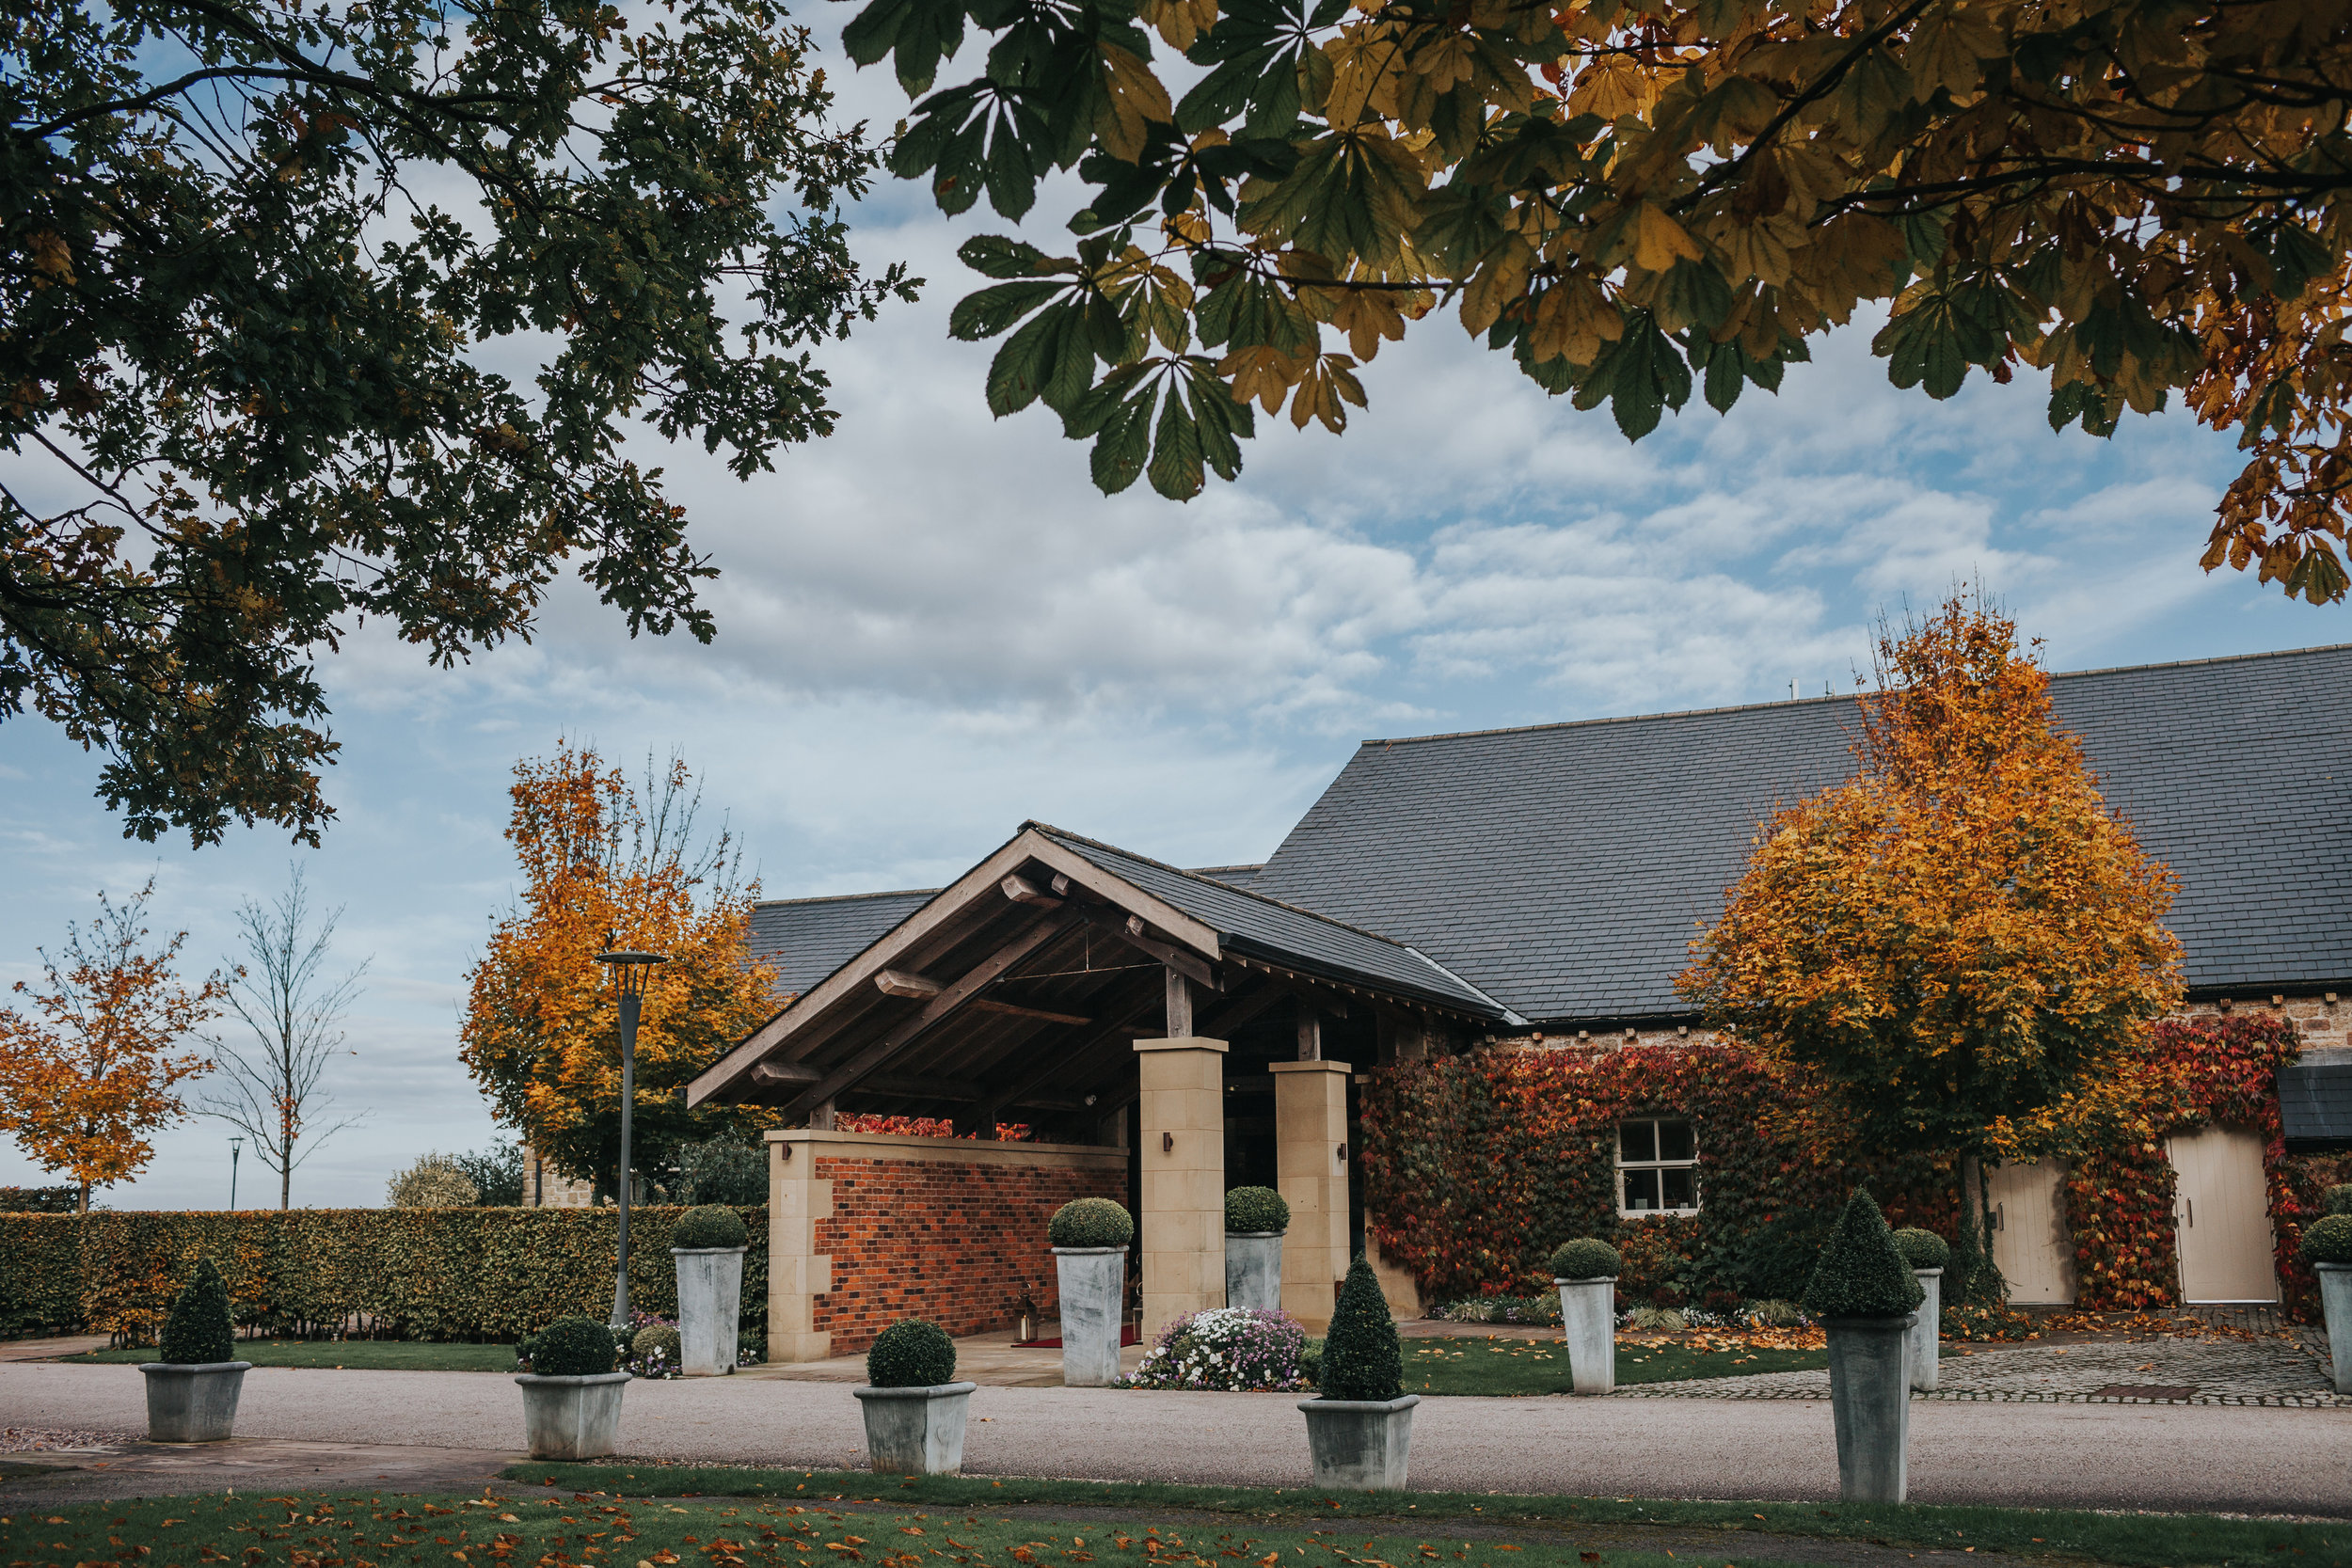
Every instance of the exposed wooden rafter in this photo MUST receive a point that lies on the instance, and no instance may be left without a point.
(1015, 1010)
(899, 982)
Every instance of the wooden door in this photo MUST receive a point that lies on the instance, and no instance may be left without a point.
(2031, 1244)
(2222, 1212)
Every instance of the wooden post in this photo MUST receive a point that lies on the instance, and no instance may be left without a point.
(1179, 1004)
(820, 1117)
(1310, 1033)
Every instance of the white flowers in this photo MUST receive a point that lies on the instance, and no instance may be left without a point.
(1225, 1347)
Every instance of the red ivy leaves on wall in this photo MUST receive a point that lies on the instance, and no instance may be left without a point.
(922, 1127)
(2119, 1202)
(1476, 1166)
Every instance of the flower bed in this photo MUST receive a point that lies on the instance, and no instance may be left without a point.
(1236, 1349)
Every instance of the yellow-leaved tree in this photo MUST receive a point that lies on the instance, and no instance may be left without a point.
(1960, 948)
(87, 1072)
(605, 865)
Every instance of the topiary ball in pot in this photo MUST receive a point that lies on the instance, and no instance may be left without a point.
(910, 1354)
(199, 1333)
(1091, 1221)
(1861, 1275)
(2338, 1198)
(1586, 1259)
(1922, 1249)
(714, 1225)
(1256, 1210)
(573, 1347)
(657, 1339)
(1360, 1358)
(2328, 1240)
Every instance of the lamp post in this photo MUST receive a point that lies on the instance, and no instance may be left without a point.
(629, 972)
(236, 1146)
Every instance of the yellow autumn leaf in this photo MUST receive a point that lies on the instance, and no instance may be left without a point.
(1659, 241)
(1135, 99)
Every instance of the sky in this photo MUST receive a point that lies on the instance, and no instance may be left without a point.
(931, 627)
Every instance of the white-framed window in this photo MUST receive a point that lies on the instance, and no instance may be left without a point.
(1658, 1167)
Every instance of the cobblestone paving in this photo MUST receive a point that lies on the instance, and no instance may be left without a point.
(2286, 1372)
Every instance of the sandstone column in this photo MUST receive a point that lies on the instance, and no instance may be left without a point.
(1182, 1133)
(796, 1274)
(1311, 1168)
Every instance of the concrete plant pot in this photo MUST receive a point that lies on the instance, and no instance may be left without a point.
(1926, 1349)
(709, 1309)
(193, 1402)
(916, 1432)
(1588, 1319)
(1869, 1397)
(1254, 1268)
(1360, 1444)
(572, 1417)
(2335, 1305)
(1093, 1284)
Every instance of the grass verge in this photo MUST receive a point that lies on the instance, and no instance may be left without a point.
(1511, 1367)
(398, 1355)
(2169, 1539)
(591, 1530)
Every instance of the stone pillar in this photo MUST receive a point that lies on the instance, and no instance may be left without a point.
(1182, 1129)
(1310, 1134)
(796, 1274)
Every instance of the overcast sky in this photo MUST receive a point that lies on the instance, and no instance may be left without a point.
(931, 627)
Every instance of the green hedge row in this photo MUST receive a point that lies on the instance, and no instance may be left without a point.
(491, 1274)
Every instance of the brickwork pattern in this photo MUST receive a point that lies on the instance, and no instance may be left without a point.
(952, 1243)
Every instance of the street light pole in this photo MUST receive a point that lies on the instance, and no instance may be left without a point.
(236, 1146)
(629, 970)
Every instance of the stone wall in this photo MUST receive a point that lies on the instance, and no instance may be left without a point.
(865, 1228)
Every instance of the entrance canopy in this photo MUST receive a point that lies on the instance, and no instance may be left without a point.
(1017, 992)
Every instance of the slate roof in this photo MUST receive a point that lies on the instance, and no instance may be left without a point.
(1563, 868)
(2315, 1104)
(1295, 938)
(804, 940)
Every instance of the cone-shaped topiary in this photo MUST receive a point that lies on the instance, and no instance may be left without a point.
(198, 1333)
(573, 1347)
(912, 1354)
(2328, 1240)
(713, 1225)
(2338, 1199)
(1360, 1358)
(1091, 1221)
(1256, 1210)
(1860, 1273)
(1586, 1259)
(1922, 1249)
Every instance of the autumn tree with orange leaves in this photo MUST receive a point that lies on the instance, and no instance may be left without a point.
(1960, 948)
(87, 1071)
(605, 865)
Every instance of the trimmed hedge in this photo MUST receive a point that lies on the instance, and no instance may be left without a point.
(910, 1354)
(481, 1275)
(1091, 1221)
(39, 1200)
(1255, 1211)
(198, 1333)
(2330, 1240)
(710, 1225)
(1361, 1360)
(575, 1347)
(1861, 1275)
(1923, 1249)
(1586, 1258)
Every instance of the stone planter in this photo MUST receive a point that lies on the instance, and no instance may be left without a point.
(1254, 1268)
(193, 1402)
(1093, 1289)
(1360, 1444)
(709, 1308)
(916, 1432)
(1926, 1350)
(1869, 1397)
(1588, 1319)
(572, 1417)
(2335, 1304)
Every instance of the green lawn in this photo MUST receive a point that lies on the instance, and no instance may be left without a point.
(591, 1530)
(401, 1356)
(1476, 1365)
(2142, 1540)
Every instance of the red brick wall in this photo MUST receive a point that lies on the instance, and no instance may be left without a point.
(955, 1243)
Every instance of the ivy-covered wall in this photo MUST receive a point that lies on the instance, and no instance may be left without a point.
(407, 1274)
(1476, 1166)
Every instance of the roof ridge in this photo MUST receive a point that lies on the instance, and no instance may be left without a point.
(1816, 702)
(1052, 831)
(852, 897)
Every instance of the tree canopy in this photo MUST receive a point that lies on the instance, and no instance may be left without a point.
(605, 865)
(258, 383)
(1961, 947)
(1640, 198)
